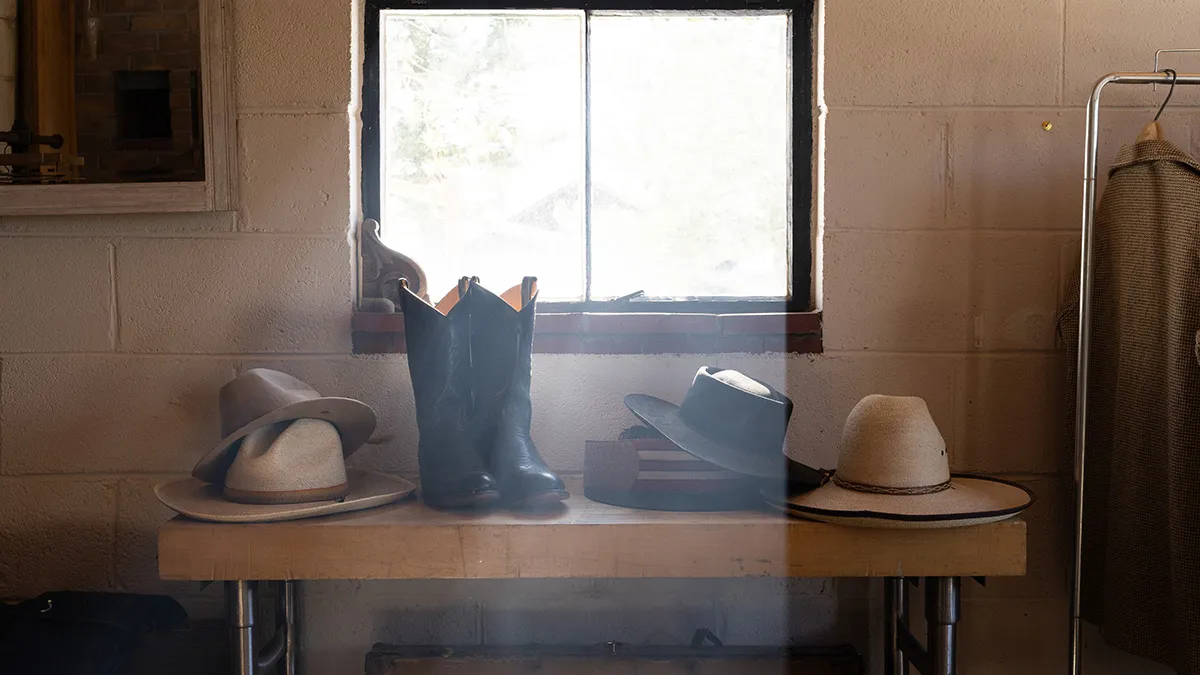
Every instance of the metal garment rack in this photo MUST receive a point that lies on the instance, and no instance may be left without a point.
(1085, 297)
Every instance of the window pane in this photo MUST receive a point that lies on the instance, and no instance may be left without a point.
(482, 146)
(690, 134)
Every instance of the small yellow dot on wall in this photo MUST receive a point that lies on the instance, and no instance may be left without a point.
(1047, 125)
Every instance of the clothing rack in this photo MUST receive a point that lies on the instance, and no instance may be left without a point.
(1085, 296)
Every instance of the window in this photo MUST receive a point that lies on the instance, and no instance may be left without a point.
(656, 150)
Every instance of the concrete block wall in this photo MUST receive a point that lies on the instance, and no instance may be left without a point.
(949, 233)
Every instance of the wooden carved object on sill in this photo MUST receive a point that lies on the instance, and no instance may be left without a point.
(382, 269)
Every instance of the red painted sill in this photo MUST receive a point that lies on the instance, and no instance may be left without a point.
(632, 333)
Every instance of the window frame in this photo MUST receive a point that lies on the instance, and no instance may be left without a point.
(803, 130)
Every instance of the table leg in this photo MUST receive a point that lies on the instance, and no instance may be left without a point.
(895, 610)
(239, 605)
(289, 627)
(941, 619)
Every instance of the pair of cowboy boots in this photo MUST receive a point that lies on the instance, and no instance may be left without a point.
(469, 357)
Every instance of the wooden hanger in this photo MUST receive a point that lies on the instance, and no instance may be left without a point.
(1151, 132)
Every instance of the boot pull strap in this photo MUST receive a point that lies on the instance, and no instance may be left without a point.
(528, 288)
(464, 284)
(404, 283)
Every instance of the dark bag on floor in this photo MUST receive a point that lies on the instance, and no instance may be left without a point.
(78, 633)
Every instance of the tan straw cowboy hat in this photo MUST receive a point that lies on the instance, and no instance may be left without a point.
(284, 471)
(893, 472)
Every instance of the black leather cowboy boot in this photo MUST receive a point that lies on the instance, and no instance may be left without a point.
(439, 359)
(501, 347)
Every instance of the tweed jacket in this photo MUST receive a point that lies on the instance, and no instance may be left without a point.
(1141, 540)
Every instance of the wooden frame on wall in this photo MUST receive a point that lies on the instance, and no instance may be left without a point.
(218, 190)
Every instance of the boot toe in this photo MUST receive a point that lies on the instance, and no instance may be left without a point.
(477, 483)
(535, 488)
(473, 489)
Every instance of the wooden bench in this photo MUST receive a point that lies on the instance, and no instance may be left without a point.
(587, 539)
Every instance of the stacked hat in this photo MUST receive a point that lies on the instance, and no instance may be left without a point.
(282, 456)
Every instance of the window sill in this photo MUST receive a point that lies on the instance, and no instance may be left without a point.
(630, 333)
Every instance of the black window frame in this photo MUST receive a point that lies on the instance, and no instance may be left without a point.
(802, 133)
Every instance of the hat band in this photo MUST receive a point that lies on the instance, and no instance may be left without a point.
(885, 490)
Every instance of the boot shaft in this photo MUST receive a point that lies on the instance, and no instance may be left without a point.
(438, 342)
(501, 355)
(474, 346)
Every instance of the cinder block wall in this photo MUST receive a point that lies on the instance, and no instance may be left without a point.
(950, 229)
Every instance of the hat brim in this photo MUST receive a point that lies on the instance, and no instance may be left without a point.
(664, 417)
(970, 500)
(203, 501)
(354, 420)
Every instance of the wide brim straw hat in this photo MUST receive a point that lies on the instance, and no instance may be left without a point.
(893, 472)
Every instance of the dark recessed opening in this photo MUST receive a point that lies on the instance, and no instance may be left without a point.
(143, 104)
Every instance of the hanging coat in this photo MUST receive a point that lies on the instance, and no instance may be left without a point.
(1141, 539)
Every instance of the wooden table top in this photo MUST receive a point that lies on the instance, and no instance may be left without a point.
(585, 539)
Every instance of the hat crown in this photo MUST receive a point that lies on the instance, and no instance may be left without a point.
(892, 442)
(738, 411)
(287, 463)
(258, 392)
(741, 382)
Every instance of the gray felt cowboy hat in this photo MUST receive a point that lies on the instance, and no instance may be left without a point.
(731, 420)
(261, 397)
(893, 472)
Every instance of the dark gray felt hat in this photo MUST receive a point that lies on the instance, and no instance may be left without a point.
(731, 420)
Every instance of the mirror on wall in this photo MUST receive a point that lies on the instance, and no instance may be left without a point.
(100, 91)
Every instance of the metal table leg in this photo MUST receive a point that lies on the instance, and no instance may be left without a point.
(901, 648)
(941, 619)
(288, 621)
(239, 605)
(895, 609)
(247, 657)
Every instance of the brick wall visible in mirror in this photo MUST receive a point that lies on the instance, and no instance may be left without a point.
(120, 106)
